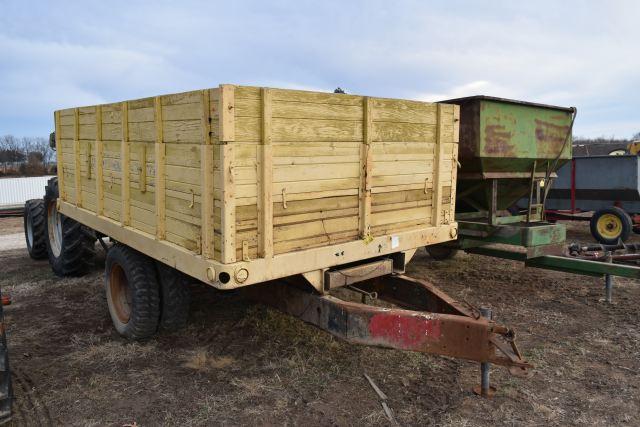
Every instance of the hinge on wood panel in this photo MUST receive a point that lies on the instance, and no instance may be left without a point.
(426, 184)
(193, 199)
(284, 198)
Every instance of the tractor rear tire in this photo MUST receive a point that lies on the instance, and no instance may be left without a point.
(175, 297)
(133, 292)
(35, 224)
(70, 245)
(610, 225)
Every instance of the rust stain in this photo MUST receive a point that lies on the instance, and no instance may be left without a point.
(550, 133)
(498, 140)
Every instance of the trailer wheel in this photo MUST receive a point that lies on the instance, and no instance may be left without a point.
(175, 297)
(35, 223)
(610, 225)
(70, 245)
(133, 293)
(441, 252)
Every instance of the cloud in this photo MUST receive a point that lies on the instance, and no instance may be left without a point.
(57, 55)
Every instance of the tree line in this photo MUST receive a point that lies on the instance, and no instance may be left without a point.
(604, 140)
(25, 156)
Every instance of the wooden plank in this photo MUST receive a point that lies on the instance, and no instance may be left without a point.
(366, 164)
(160, 190)
(226, 111)
(99, 163)
(227, 133)
(404, 111)
(265, 195)
(125, 212)
(206, 161)
(76, 157)
(228, 249)
(142, 167)
(62, 191)
(436, 203)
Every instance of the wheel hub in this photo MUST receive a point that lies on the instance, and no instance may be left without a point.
(609, 226)
(54, 226)
(120, 293)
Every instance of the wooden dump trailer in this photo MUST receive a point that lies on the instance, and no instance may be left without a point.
(235, 186)
(239, 185)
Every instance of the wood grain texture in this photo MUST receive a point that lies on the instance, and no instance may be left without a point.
(236, 172)
(125, 151)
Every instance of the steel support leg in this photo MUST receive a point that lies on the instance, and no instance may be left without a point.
(485, 389)
(608, 281)
(608, 286)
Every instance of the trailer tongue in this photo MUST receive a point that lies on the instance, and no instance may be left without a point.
(417, 317)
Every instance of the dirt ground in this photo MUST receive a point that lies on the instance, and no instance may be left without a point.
(242, 364)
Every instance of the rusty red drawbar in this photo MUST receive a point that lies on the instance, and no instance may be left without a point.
(418, 317)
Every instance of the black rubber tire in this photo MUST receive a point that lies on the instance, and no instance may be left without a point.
(175, 297)
(77, 248)
(624, 218)
(35, 221)
(143, 297)
(441, 252)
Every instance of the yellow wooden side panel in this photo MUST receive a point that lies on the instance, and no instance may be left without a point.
(181, 130)
(328, 156)
(405, 143)
(315, 140)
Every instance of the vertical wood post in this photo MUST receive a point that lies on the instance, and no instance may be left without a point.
(454, 159)
(438, 156)
(125, 182)
(206, 168)
(366, 164)
(76, 156)
(142, 182)
(227, 136)
(62, 191)
(160, 155)
(99, 165)
(265, 179)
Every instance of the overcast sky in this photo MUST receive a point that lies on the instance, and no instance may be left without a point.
(57, 54)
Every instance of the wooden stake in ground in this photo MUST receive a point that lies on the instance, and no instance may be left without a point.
(383, 398)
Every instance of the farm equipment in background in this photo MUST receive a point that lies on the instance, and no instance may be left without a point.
(510, 152)
(604, 190)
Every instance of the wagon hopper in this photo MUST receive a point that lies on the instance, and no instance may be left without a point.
(510, 154)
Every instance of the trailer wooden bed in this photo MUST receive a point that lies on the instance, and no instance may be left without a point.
(238, 185)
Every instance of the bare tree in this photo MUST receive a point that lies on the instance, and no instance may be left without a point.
(27, 155)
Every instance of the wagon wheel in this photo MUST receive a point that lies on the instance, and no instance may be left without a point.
(133, 292)
(610, 225)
